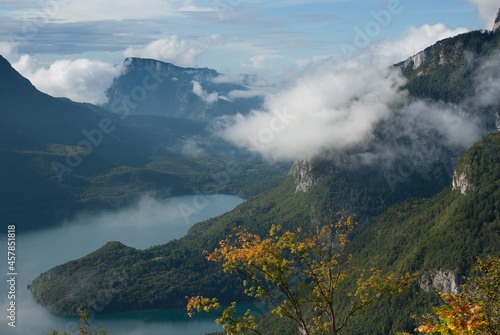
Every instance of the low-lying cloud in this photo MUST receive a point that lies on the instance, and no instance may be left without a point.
(328, 108)
(488, 82)
(81, 80)
(337, 107)
(209, 98)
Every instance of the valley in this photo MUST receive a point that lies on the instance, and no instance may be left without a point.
(413, 154)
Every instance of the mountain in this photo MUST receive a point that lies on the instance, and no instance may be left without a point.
(440, 236)
(59, 157)
(429, 213)
(459, 70)
(151, 87)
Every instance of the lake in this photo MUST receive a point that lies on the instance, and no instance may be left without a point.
(149, 222)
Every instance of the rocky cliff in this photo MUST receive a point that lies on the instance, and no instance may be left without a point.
(304, 178)
(414, 62)
(461, 183)
(496, 25)
(440, 280)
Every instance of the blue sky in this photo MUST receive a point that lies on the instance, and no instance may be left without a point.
(232, 36)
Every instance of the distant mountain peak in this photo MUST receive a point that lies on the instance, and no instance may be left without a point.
(154, 63)
(152, 87)
(496, 25)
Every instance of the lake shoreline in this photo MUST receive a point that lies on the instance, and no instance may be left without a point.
(147, 223)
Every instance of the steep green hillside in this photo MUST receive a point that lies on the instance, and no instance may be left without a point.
(451, 73)
(441, 236)
(438, 237)
(178, 269)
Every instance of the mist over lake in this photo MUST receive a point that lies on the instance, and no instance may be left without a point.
(147, 223)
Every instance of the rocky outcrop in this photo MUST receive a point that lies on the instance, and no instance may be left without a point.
(440, 280)
(304, 177)
(496, 25)
(414, 62)
(461, 183)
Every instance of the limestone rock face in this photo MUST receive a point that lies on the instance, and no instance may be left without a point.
(415, 61)
(440, 280)
(304, 178)
(461, 183)
(496, 26)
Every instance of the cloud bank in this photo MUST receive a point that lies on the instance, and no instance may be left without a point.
(488, 82)
(332, 107)
(80, 80)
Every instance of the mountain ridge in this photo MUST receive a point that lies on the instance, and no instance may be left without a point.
(192, 93)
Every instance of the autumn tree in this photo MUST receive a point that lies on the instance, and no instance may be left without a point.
(475, 310)
(297, 272)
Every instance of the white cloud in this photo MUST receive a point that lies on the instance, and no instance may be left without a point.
(81, 80)
(255, 86)
(487, 10)
(414, 41)
(258, 62)
(209, 98)
(329, 107)
(488, 82)
(174, 50)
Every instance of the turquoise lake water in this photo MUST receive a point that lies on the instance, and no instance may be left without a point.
(149, 222)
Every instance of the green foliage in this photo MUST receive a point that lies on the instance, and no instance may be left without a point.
(446, 232)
